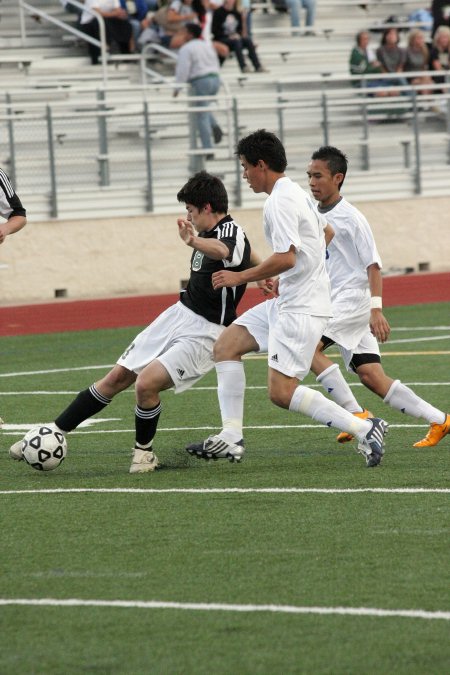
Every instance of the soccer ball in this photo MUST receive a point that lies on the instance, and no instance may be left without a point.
(44, 448)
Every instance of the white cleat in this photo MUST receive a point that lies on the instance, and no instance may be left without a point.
(216, 448)
(143, 461)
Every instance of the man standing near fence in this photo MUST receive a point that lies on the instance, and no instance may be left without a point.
(12, 211)
(198, 65)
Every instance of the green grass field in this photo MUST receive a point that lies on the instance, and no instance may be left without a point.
(297, 560)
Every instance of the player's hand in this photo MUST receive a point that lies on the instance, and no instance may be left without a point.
(224, 278)
(267, 286)
(186, 231)
(379, 325)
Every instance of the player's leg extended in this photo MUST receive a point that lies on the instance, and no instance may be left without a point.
(402, 398)
(87, 403)
(234, 342)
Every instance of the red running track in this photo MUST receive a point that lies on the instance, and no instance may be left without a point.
(69, 315)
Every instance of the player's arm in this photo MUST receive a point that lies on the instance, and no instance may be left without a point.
(378, 323)
(12, 225)
(266, 285)
(329, 233)
(270, 267)
(213, 248)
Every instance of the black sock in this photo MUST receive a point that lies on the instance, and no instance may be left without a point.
(146, 422)
(87, 403)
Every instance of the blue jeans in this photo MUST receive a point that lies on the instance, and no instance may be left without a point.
(205, 121)
(294, 7)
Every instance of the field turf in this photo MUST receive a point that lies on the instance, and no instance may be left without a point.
(297, 560)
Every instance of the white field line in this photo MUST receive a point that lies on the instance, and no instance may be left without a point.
(207, 491)
(222, 607)
(19, 429)
(45, 392)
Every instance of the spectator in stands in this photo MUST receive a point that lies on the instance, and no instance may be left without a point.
(204, 10)
(165, 25)
(137, 11)
(364, 62)
(117, 27)
(71, 8)
(229, 27)
(294, 7)
(198, 64)
(417, 58)
(392, 56)
(440, 53)
(440, 9)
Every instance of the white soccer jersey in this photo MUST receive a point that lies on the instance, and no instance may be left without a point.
(351, 250)
(291, 219)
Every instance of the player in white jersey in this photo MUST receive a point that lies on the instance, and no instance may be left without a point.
(176, 349)
(288, 326)
(358, 324)
(12, 211)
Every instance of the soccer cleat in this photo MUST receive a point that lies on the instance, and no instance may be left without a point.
(344, 437)
(143, 461)
(215, 448)
(372, 446)
(15, 451)
(435, 434)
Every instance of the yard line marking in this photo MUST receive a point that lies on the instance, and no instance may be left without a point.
(269, 490)
(421, 339)
(14, 429)
(45, 392)
(223, 607)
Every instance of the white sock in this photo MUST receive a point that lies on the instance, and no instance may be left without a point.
(335, 385)
(316, 405)
(230, 391)
(404, 399)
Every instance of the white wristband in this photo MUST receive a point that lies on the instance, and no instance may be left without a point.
(376, 302)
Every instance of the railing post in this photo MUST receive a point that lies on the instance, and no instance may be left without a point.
(12, 148)
(51, 157)
(280, 112)
(148, 158)
(365, 147)
(238, 190)
(418, 172)
(103, 159)
(325, 118)
(23, 30)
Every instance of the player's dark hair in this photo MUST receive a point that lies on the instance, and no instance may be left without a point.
(194, 29)
(263, 145)
(336, 160)
(202, 189)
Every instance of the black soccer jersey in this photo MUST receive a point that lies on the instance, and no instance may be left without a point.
(218, 306)
(10, 204)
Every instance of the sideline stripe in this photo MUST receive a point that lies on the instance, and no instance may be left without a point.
(222, 607)
(212, 388)
(269, 490)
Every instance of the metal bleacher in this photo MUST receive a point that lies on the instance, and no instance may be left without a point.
(82, 141)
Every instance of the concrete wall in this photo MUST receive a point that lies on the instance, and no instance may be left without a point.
(130, 256)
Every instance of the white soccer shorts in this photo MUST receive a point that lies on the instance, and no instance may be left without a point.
(180, 340)
(367, 345)
(350, 320)
(289, 339)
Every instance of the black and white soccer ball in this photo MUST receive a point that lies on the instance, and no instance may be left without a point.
(44, 448)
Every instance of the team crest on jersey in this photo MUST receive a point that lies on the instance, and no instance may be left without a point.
(197, 261)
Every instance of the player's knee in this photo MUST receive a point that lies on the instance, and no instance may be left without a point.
(279, 398)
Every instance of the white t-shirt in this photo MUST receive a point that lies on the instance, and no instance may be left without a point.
(291, 219)
(104, 5)
(351, 250)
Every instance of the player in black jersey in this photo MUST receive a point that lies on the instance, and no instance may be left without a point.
(176, 349)
(12, 211)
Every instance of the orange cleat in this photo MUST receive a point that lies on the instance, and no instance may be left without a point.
(344, 437)
(435, 434)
